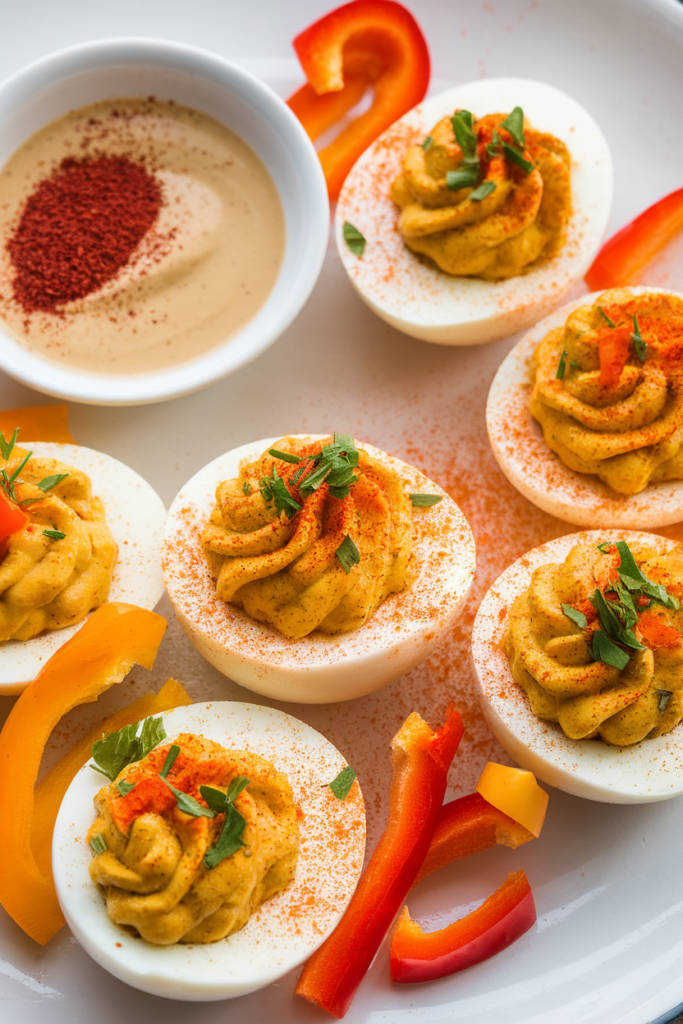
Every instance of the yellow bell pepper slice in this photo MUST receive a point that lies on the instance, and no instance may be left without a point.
(50, 791)
(116, 637)
(516, 793)
(38, 423)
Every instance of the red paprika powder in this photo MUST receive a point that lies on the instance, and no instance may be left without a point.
(79, 227)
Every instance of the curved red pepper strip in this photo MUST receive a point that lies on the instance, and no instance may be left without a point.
(12, 518)
(421, 759)
(627, 252)
(500, 921)
(377, 39)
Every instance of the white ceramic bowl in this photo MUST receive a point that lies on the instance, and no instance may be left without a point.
(287, 928)
(117, 68)
(319, 669)
(421, 300)
(645, 772)
(539, 474)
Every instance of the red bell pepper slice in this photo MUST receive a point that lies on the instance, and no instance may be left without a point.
(376, 41)
(466, 826)
(421, 759)
(626, 253)
(614, 346)
(496, 924)
(12, 518)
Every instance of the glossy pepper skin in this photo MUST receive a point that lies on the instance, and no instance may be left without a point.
(374, 42)
(625, 254)
(505, 916)
(421, 759)
(116, 637)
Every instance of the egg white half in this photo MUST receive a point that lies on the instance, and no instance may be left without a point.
(643, 773)
(318, 669)
(521, 452)
(286, 929)
(426, 303)
(135, 516)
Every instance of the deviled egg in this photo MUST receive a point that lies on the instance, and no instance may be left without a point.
(286, 928)
(133, 523)
(284, 602)
(408, 288)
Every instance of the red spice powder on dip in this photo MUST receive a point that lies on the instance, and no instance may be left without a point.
(135, 235)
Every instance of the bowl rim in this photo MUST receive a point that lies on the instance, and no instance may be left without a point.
(184, 378)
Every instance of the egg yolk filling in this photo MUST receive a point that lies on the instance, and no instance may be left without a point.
(316, 539)
(608, 389)
(597, 642)
(58, 566)
(487, 197)
(166, 867)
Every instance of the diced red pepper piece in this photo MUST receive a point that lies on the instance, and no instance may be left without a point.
(657, 633)
(614, 346)
(466, 826)
(496, 924)
(421, 759)
(377, 41)
(12, 518)
(625, 254)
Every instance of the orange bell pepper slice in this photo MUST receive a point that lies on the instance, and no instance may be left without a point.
(367, 41)
(50, 791)
(625, 254)
(38, 423)
(614, 347)
(656, 633)
(12, 518)
(515, 792)
(116, 637)
(496, 924)
(421, 759)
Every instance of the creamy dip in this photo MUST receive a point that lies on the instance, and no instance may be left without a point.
(199, 274)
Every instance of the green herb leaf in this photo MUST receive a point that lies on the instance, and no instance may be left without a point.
(494, 147)
(344, 445)
(635, 579)
(230, 840)
(7, 446)
(284, 502)
(98, 843)
(610, 322)
(54, 534)
(639, 344)
(285, 456)
(124, 787)
(187, 804)
(605, 546)
(348, 554)
(246, 488)
(354, 239)
(484, 190)
(577, 617)
(266, 489)
(465, 177)
(561, 366)
(427, 144)
(217, 800)
(19, 468)
(334, 464)
(664, 698)
(611, 623)
(48, 482)
(119, 749)
(425, 500)
(464, 133)
(516, 156)
(514, 123)
(171, 756)
(341, 786)
(608, 652)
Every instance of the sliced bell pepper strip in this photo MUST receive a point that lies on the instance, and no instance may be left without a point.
(378, 39)
(614, 347)
(50, 791)
(515, 792)
(421, 759)
(497, 923)
(625, 254)
(116, 637)
(319, 113)
(12, 518)
(466, 826)
(38, 423)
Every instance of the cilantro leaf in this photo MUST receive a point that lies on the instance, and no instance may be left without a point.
(465, 137)
(348, 554)
(341, 786)
(98, 843)
(284, 502)
(48, 482)
(514, 123)
(577, 617)
(354, 239)
(187, 804)
(516, 156)
(465, 177)
(635, 579)
(425, 500)
(608, 652)
(125, 788)
(230, 839)
(484, 190)
(119, 749)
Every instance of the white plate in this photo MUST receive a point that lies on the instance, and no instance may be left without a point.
(285, 929)
(648, 771)
(521, 452)
(135, 516)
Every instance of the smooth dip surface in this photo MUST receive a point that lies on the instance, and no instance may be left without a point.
(202, 270)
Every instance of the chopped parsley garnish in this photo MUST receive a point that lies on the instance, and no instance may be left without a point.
(577, 617)
(124, 787)
(639, 344)
(274, 489)
(610, 322)
(334, 464)
(514, 123)
(425, 500)
(467, 175)
(285, 456)
(561, 366)
(348, 554)
(246, 488)
(98, 843)
(484, 190)
(230, 839)
(464, 177)
(266, 489)
(516, 156)
(354, 239)
(608, 652)
(664, 698)
(113, 753)
(341, 786)
(427, 144)
(54, 534)
(173, 752)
